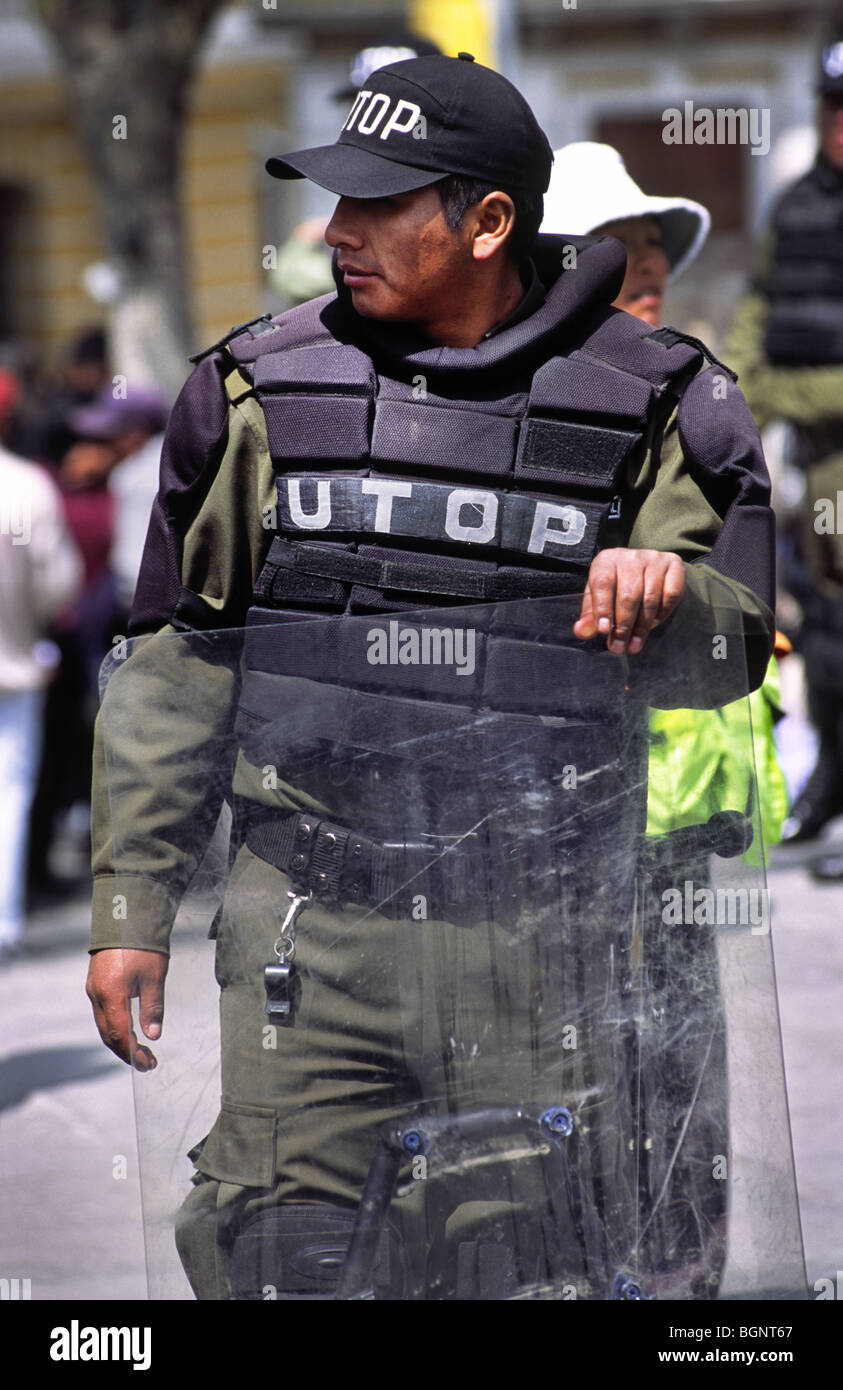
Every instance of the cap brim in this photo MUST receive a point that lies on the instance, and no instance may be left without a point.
(684, 223)
(352, 172)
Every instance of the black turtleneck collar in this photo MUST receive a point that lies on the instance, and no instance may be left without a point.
(533, 297)
(556, 299)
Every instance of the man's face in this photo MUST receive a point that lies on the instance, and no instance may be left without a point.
(647, 267)
(400, 260)
(831, 130)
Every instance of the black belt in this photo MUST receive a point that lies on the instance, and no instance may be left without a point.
(341, 866)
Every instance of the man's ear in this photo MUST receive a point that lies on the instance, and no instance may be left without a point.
(493, 221)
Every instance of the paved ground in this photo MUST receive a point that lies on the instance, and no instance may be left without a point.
(70, 1218)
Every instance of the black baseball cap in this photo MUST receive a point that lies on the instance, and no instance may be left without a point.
(415, 122)
(831, 70)
(830, 75)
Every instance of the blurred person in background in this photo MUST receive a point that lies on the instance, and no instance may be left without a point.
(691, 753)
(40, 573)
(42, 429)
(59, 832)
(786, 341)
(122, 446)
(108, 478)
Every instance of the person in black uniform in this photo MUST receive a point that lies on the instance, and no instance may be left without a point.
(786, 343)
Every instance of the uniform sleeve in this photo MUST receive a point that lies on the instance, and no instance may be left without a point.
(709, 503)
(163, 738)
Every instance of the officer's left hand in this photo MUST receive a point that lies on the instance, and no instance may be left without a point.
(627, 594)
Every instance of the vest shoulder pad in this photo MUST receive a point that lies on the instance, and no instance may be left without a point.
(266, 326)
(302, 326)
(664, 358)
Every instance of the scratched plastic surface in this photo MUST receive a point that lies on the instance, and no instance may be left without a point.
(543, 1041)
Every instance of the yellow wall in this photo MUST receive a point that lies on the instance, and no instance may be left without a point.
(56, 233)
(56, 230)
(223, 191)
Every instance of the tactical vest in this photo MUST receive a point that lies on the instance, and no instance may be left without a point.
(423, 480)
(400, 491)
(805, 322)
(403, 487)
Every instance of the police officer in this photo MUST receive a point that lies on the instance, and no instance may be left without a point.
(466, 420)
(786, 343)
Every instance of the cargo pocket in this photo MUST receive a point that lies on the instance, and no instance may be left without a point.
(241, 1147)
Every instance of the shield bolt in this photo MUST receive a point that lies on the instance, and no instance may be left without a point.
(558, 1120)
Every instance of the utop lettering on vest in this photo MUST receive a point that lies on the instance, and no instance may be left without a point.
(472, 516)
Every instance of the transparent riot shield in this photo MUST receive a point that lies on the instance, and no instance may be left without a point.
(443, 1020)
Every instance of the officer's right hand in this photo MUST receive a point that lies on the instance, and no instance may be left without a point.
(114, 977)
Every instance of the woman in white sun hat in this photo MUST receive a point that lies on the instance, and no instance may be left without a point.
(590, 191)
(691, 754)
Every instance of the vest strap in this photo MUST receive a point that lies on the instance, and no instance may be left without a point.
(457, 663)
(264, 319)
(430, 574)
(671, 336)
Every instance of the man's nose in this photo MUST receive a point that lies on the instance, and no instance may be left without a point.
(342, 229)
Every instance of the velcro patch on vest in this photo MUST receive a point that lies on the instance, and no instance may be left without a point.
(435, 512)
(573, 454)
